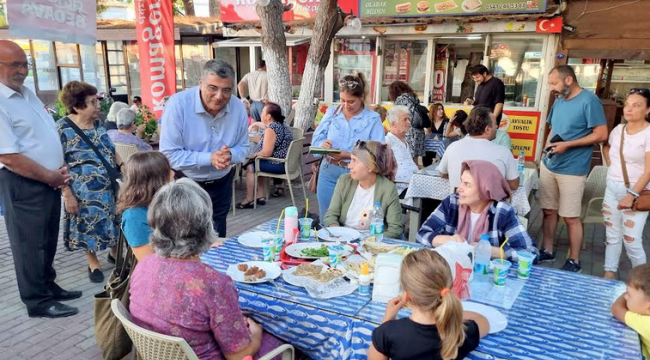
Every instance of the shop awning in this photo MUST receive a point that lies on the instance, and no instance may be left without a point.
(257, 41)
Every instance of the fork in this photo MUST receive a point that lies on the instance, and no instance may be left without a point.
(330, 234)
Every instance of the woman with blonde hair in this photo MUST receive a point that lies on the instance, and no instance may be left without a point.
(438, 328)
(370, 181)
(340, 128)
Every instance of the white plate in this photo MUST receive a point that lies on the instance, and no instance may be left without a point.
(495, 318)
(467, 9)
(346, 234)
(254, 239)
(295, 250)
(288, 276)
(272, 271)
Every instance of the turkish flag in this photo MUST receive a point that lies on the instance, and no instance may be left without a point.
(549, 26)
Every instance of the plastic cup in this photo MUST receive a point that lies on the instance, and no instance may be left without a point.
(501, 269)
(278, 241)
(336, 254)
(305, 228)
(268, 249)
(525, 264)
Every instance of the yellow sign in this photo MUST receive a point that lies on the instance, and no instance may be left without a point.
(520, 124)
(527, 145)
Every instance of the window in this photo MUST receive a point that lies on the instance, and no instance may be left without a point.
(405, 61)
(46, 71)
(116, 67)
(352, 55)
(67, 62)
(179, 67)
(196, 52)
(134, 68)
(519, 64)
(92, 70)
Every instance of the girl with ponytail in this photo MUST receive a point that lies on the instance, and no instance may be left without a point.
(438, 328)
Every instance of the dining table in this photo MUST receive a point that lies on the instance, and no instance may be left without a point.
(427, 183)
(556, 315)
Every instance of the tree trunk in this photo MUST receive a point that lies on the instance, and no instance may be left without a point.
(325, 27)
(189, 7)
(274, 47)
(468, 85)
(215, 9)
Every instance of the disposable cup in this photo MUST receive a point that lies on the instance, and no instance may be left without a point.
(501, 269)
(305, 228)
(525, 264)
(336, 253)
(268, 249)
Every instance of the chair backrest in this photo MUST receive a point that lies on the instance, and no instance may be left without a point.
(297, 133)
(125, 150)
(290, 117)
(595, 184)
(294, 157)
(151, 345)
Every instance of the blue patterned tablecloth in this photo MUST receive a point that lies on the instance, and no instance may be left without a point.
(436, 145)
(558, 315)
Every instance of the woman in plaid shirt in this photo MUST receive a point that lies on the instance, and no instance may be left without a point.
(479, 207)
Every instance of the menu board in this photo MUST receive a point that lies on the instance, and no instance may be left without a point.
(381, 8)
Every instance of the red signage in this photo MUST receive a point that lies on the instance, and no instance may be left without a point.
(155, 33)
(549, 26)
(440, 75)
(233, 11)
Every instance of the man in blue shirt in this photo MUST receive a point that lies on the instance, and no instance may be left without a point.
(577, 121)
(204, 132)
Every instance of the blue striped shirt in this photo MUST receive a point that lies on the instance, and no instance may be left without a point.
(502, 220)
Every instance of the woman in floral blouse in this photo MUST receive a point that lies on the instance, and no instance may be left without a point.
(174, 293)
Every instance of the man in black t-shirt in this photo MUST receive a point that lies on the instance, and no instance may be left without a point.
(490, 92)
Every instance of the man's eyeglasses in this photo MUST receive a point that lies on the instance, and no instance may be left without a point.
(350, 84)
(16, 65)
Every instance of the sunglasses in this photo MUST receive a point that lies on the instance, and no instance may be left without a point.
(643, 91)
(361, 145)
(350, 84)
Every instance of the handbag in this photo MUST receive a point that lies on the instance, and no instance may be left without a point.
(313, 182)
(641, 203)
(113, 173)
(111, 337)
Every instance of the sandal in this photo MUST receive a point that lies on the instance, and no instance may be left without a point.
(261, 201)
(278, 192)
(241, 205)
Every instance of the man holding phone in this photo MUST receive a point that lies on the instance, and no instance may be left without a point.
(577, 122)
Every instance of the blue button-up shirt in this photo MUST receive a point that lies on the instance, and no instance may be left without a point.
(190, 134)
(502, 220)
(344, 134)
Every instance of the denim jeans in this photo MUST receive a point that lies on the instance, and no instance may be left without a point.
(622, 227)
(328, 175)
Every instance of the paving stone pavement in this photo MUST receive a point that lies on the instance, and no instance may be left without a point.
(22, 337)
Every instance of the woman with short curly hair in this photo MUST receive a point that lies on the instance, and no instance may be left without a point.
(90, 222)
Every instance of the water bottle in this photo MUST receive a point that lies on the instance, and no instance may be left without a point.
(482, 256)
(290, 224)
(520, 167)
(377, 222)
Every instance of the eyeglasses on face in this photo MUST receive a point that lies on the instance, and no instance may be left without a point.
(16, 64)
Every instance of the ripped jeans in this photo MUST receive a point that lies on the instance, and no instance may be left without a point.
(622, 227)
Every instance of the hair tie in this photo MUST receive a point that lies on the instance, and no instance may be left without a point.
(444, 292)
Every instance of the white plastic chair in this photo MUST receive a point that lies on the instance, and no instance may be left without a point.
(237, 177)
(297, 133)
(292, 169)
(125, 150)
(592, 198)
(151, 345)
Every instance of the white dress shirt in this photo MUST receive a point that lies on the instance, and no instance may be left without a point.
(26, 128)
(406, 167)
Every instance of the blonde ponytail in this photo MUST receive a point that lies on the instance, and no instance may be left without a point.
(426, 277)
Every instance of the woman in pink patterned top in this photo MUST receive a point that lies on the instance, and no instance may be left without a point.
(174, 293)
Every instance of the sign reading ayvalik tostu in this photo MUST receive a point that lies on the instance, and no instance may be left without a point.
(378, 8)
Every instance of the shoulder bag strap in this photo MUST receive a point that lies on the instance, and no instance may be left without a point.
(112, 173)
(627, 180)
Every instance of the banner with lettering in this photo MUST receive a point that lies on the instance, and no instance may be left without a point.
(440, 74)
(381, 8)
(233, 11)
(67, 21)
(155, 32)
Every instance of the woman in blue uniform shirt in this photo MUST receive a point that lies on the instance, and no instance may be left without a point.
(340, 129)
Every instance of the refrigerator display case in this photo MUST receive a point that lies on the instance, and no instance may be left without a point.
(354, 55)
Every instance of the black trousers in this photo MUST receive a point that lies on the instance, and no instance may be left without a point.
(220, 192)
(32, 212)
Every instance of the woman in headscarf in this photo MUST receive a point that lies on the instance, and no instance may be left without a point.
(479, 207)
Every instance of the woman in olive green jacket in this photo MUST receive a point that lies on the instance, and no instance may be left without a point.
(372, 169)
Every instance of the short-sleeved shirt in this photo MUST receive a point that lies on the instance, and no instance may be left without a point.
(634, 149)
(503, 139)
(640, 324)
(574, 119)
(404, 339)
(490, 93)
(258, 85)
(26, 128)
(406, 167)
(470, 148)
(135, 226)
(361, 208)
(191, 300)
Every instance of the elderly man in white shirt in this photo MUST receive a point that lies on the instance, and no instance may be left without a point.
(32, 173)
(399, 118)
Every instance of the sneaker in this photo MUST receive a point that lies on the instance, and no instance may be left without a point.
(572, 266)
(545, 256)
